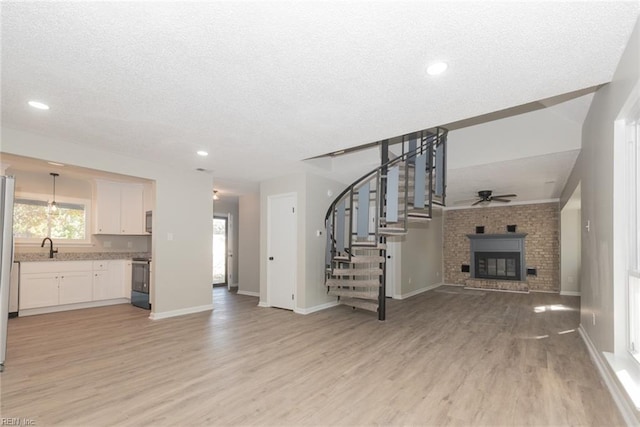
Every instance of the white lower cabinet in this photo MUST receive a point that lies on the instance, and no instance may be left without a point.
(38, 290)
(58, 283)
(109, 279)
(74, 287)
(45, 284)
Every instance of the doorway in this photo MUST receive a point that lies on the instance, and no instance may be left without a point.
(571, 244)
(282, 261)
(220, 249)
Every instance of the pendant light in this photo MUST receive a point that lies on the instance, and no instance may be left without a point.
(215, 195)
(53, 208)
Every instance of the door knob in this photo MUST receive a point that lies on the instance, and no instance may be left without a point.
(389, 256)
(270, 258)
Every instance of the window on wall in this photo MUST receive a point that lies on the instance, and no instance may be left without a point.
(633, 138)
(32, 220)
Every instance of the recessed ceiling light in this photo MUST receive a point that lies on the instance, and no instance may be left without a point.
(202, 153)
(55, 164)
(39, 105)
(437, 68)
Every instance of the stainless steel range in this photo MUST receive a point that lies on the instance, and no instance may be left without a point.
(140, 282)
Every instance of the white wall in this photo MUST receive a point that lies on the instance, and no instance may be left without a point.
(249, 243)
(570, 246)
(538, 132)
(181, 241)
(225, 206)
(603, 301)
(594, 172)
(312, 202)
(421, 256)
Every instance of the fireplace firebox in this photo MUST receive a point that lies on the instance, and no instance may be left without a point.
(497, 265)
(497, 256)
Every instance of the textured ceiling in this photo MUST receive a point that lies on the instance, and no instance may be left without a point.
(263, 85)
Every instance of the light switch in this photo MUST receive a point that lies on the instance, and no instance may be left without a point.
(170, 236)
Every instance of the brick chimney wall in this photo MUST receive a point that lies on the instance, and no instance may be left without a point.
(541, 222)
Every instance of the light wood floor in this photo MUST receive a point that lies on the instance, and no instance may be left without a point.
(445, 357)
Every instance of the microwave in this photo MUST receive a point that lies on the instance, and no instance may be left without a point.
(147, 221)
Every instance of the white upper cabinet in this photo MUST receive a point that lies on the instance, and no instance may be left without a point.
(119, 208)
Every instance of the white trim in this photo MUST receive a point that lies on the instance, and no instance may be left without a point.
(503, 205)
(631, 417)
(419, 291)
(263, 304)
(248, 293)
(68, 307)
(316, 308)
(181, 312)
(571, 293)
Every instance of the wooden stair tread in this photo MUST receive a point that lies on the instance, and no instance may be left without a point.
(361, 259)
(360, 303)
(367, 283)
(357, 272)
(350, 293)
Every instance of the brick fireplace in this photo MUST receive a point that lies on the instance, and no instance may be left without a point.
(540, 224)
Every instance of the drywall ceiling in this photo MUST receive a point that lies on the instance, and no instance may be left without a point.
(263, 85)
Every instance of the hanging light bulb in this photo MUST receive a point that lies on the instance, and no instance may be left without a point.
(53, 207)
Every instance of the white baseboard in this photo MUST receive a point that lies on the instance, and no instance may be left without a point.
(418, 291)
(263, 304)
(316, 308)
(248, 293)
(624, 406)
(67, 307)
(570, 293)
(181, 312)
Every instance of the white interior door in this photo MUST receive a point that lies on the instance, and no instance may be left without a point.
(392, 267)
(230, 273)
(281, 250)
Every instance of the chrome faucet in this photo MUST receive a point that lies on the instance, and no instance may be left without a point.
(51, 251)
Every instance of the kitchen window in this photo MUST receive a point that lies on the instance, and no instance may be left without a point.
(32, 220)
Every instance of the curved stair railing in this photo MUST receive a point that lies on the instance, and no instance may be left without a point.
(377, 205)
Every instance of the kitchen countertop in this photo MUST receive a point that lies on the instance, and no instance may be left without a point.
(78, 256)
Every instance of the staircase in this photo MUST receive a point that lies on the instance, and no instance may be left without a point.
(403, 189)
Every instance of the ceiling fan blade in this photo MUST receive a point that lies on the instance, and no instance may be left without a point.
(504, 195)
(498, 199)
(478, 202)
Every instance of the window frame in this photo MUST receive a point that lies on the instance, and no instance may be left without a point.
(632, 136)
(24, 241)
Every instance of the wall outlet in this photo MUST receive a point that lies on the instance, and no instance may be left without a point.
(106, 244)
(594, 318)
(129, 245)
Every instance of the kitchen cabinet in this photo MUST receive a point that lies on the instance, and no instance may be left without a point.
(109, 280)
(38, 290)
(45, 284)
(65, 285)
(74, 287)
(119, 208)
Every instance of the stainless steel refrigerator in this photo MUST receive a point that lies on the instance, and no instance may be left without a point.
(7, 185)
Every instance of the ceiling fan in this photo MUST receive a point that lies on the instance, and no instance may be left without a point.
(485, 196)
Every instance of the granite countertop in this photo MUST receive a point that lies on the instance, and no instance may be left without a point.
(78, 256)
